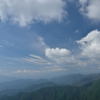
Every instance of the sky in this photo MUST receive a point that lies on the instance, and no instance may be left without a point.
(46, 38)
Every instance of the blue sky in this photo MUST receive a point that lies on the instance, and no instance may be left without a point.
(41, 38)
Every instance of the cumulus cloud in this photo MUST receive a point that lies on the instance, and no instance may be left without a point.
(90, 8)
(58, 55)
(25, 12)
(51, 52)
(52, 56)
(90, 45)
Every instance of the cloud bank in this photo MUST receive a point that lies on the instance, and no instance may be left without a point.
(25, 12)
(90, 45)
(90, 8)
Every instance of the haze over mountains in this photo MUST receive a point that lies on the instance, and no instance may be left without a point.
(30, 88)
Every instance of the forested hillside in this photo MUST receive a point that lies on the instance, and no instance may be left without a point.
(90, 91)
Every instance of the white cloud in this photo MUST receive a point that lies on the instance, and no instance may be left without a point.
(58, 55)
(53, 56)
(57, 52)
(90, 45)
(90, 8)
(36, 60)
(25, 12)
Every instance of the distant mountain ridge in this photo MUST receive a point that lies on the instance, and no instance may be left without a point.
(28, 85)
(90, 92)
(75, 79)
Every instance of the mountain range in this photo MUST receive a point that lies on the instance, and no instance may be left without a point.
(67, 87)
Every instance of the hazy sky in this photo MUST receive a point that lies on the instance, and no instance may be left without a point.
(41, 38)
